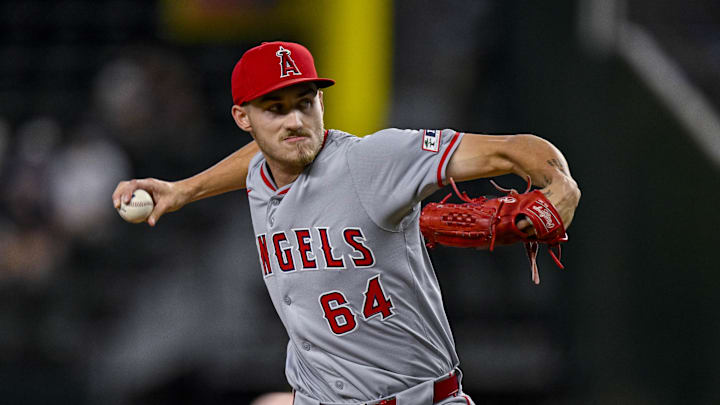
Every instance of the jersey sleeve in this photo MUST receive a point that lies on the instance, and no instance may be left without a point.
(393, 170)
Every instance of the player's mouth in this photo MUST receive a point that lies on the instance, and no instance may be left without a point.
(293, 139)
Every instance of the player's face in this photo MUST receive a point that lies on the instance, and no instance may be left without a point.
(287, 124)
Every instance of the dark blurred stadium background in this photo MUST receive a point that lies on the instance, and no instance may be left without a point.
(97, 311)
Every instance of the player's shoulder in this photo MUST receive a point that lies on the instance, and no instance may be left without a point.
(388, 132)
(388, 137)
(392, 134)
(409, 142)
(338, 137)
(254, 166)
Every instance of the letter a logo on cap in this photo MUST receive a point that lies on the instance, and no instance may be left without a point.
(287, 64)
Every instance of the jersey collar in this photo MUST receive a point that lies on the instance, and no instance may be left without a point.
(269, 182)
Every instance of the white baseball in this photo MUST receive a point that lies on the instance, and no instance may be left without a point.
(139, 207)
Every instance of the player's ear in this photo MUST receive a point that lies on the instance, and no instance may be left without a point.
(322, 103)
(240, 115)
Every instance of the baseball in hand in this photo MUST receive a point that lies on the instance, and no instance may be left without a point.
(139, 207)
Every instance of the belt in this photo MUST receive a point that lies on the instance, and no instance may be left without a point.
(442, 389)
(446, 388)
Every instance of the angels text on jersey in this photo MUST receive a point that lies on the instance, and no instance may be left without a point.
(312, 249)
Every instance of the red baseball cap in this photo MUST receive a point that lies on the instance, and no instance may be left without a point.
(272, 66)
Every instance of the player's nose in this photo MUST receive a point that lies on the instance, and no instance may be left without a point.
(293, 120)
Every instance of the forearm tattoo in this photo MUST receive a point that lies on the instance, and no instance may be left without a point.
(556, 163)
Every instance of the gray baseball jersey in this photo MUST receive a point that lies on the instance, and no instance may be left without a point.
(345, 264)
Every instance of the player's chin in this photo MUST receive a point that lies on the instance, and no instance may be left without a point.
(305, 151)
(304, 155)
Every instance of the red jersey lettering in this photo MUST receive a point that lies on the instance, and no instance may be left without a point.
(264, 257)
(304, 240)
(284, 256)
(355, 238)
(330, 261)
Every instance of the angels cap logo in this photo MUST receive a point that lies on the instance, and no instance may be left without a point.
(287, 64)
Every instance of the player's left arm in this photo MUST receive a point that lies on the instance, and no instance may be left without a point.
(525, 155)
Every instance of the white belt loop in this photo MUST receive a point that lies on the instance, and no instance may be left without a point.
(459, 375)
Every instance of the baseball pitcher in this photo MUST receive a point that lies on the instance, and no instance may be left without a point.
(336, 222)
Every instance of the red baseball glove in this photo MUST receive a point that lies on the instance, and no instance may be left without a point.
(483, 223)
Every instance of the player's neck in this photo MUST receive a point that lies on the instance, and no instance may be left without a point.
(283, 175)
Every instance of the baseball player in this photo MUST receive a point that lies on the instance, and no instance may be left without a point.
(335, 221)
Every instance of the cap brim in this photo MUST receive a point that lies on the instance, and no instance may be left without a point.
(320, 82)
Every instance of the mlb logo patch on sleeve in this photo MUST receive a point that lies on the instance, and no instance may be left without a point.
(431, 140)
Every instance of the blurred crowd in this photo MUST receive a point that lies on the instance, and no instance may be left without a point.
(95, 310)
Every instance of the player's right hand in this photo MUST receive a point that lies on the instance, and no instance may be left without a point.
(167, 196)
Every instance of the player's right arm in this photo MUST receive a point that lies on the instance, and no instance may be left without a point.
(227, 175)
(525, 155)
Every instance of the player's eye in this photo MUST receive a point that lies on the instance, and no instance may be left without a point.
(276, 108)
(305, 103)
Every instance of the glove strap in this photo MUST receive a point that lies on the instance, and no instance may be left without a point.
(493, 225)
(557, 257)
(531, 248)
(463, 196)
